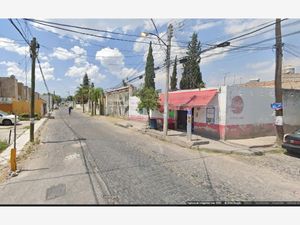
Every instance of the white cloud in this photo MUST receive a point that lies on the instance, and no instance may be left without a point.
(43, 57)
(80, 55)
(13, 68)
(76, 52)
(62, 54)
(12, 46)
(48, 71)
(77, 71)
(205, 25)
(237, 26)
(113, 61)
(82, 66)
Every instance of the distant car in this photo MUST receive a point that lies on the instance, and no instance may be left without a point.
(7, 119)
(292, 142)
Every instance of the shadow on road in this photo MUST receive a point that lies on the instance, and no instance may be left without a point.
(62, 141)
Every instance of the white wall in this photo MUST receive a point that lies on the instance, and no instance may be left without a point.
(200, 112)
(254, 109)
(222, 100)
(291, 107)
(133, 109)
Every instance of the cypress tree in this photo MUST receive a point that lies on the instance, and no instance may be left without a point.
(86, 81)
(149, 69)
(191, 76)
(174, 76)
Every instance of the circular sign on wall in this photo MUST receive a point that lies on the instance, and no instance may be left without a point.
(237, 104)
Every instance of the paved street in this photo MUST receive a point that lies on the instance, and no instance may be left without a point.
(85, 160)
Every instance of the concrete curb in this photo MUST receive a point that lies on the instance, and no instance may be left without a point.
(197, 147)
(5, 155)
(245, 146)
(245, 151)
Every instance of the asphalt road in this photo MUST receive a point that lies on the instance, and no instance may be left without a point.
(89, 160)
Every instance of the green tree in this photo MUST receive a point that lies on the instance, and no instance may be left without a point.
(56, 99)
(174, 76)
(86, 81)
(97, 95)
(149, 100)
(81, 96)
(149, 69)
(82, 92)
(191, 76)
(70, 98)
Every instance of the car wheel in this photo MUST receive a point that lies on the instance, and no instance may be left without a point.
(7, 122)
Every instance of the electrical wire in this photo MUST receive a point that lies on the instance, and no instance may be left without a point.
(93, 35)
(42, 75)
(252, 44)
(22, 35)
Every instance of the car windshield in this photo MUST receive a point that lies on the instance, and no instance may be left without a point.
(3, 113)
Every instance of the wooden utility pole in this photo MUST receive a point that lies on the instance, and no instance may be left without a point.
(278, 84)
(33, 54)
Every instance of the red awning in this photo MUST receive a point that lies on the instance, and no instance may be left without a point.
(183, 100)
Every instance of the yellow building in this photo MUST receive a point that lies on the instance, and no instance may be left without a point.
(23, 107)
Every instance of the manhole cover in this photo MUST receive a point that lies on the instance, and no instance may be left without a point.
(55, 191)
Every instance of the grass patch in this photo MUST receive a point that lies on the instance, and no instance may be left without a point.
(27, 127)
(26, 117)
(3, 145)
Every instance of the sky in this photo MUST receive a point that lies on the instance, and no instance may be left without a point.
(65, 56)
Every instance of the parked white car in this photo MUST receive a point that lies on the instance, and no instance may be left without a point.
(7, 119)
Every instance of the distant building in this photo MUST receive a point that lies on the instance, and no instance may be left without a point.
(289, 78)
(15, 97)
(117, 101)
(9, 87)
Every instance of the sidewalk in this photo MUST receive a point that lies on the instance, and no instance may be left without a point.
(22, 140)
(254, 146)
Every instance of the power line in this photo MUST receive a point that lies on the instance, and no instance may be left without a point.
(252, 44)
(241, 32)
(93, 35)
(11, 21)
(80, 27)
(90, 29)
(292, 53)
(43, 75)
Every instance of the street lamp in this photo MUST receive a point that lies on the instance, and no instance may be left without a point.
(166, 95)
(145, 34)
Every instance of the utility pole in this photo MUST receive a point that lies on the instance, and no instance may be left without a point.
(53, 100)
(166, 97)
(33, 54)
(49, 104)
(278, 84)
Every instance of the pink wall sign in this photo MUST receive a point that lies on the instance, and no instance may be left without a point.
(237, 104)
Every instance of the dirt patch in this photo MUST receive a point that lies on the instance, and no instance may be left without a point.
(27, 151)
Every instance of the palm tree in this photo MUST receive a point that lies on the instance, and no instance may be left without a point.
(96, 98)
(81, 95)
(99, 93)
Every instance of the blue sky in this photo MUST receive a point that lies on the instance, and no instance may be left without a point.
(65, 56)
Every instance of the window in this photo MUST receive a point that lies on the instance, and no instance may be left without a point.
(210, 115)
